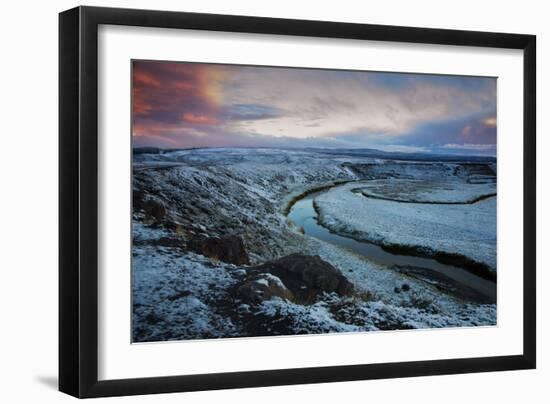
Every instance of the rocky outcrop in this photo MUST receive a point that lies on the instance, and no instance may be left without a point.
(150, 206)
(305, 276)
(260, 287)
(228, 249)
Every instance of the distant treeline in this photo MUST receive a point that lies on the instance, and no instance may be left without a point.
(147, 150)
(374, 153)
(157, 150)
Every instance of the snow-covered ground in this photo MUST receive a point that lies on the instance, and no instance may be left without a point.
(465, 229)
(174, 292)
(181, 195)
(437, 191)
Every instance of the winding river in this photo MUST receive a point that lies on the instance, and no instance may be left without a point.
(303, 215)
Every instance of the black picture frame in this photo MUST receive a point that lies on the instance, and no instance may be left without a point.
(78, 201)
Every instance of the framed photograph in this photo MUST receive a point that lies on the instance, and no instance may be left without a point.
(251, 201)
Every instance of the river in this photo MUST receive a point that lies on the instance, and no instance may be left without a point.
(303, 215)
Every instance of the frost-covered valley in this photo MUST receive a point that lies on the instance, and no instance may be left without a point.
(216, 252)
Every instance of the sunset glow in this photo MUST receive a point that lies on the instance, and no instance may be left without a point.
(181, 105)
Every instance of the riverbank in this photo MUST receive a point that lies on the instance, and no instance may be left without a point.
(459, 234)
(447, 276)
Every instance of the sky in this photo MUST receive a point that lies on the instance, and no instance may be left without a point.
(183, 105)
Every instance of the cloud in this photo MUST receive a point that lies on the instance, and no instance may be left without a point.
(403, 148)
(194, 105)
(192, 117)
(169, 92)
(340, 102)
(490, 121)
(250, 112)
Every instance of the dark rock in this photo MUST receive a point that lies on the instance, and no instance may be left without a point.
(179, 295)
(137, 199)
(169, 242)
(152, 318)
(405, 287)
(150, 206)
(176, 227)
(397, 290)
(262, 287)
(307, 277)
(228, 249)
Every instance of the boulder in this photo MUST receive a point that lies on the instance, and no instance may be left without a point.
(149, 205)
(169, 242)
(260, 287)
(307, 277)
(155, 208)
(228, 249)
(176, 227)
